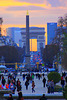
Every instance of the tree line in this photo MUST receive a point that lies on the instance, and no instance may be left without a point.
(12, 54)
(57, 50)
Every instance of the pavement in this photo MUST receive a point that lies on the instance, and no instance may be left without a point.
(39, 89)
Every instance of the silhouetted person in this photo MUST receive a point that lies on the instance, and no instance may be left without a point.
(66, 79)
(44, 81)
(63, 83)
(3, 81)
(26, 84)
(33, 85)
(43, 97)
(18, 86)
(20, 97)
(10, 97)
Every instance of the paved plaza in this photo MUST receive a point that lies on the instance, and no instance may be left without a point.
(39, 89)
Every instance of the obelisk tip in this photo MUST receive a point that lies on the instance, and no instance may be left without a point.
(27, 13)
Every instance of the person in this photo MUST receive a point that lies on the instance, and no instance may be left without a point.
(62, 83)
(33, 85)
(62, 77)
(10, 97)
(43, 74)
(44, 81)
(32, 76)
(18, 86)
(43, 97)
(39, 76)
(20, 97)
(23, 77)
(18, 81)
(26, 84)
(3, 81)
(52, 86)
(48, 86)
(14, 87)
(11, 86)
(66, 79)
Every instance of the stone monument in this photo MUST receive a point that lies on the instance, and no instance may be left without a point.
(27, 55)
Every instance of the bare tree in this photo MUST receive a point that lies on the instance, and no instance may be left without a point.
(65, 20)
(60, 21)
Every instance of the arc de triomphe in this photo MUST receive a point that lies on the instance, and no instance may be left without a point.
(35, 33)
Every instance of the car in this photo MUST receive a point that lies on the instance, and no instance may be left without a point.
(51, 69)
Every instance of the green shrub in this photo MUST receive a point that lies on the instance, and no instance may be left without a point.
(54, 76)
(65, 92)
(57, 88)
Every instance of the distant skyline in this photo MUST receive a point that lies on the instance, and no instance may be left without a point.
(13, 12)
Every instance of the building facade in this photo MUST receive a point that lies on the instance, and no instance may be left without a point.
(14, 33)
(51, 28)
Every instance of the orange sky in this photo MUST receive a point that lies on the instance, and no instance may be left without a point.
(13, 12)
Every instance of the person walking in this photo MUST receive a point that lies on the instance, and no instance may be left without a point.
(33, 85)
(18, 86)
(62, 83)
(26, 84)
(52, 86)
(3, 81)
(17, 81)
(10, 97)
(23, 77)
(48, 86)
(44, 81)
(20, 97)
(32, 76)
(11, 86)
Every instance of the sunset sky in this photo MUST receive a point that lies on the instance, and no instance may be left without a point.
(13, 12)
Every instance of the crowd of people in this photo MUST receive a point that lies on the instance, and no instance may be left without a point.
(12, 84)
(15, 84)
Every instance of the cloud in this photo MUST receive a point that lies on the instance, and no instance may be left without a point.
(54, 3)
(8, 3)
(41, 11)
(19, 8)
(34, 1)
(63, 2)
(58, 3)
(47, 4)
(31, 1)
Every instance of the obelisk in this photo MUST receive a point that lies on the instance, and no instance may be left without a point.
(27, 56)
